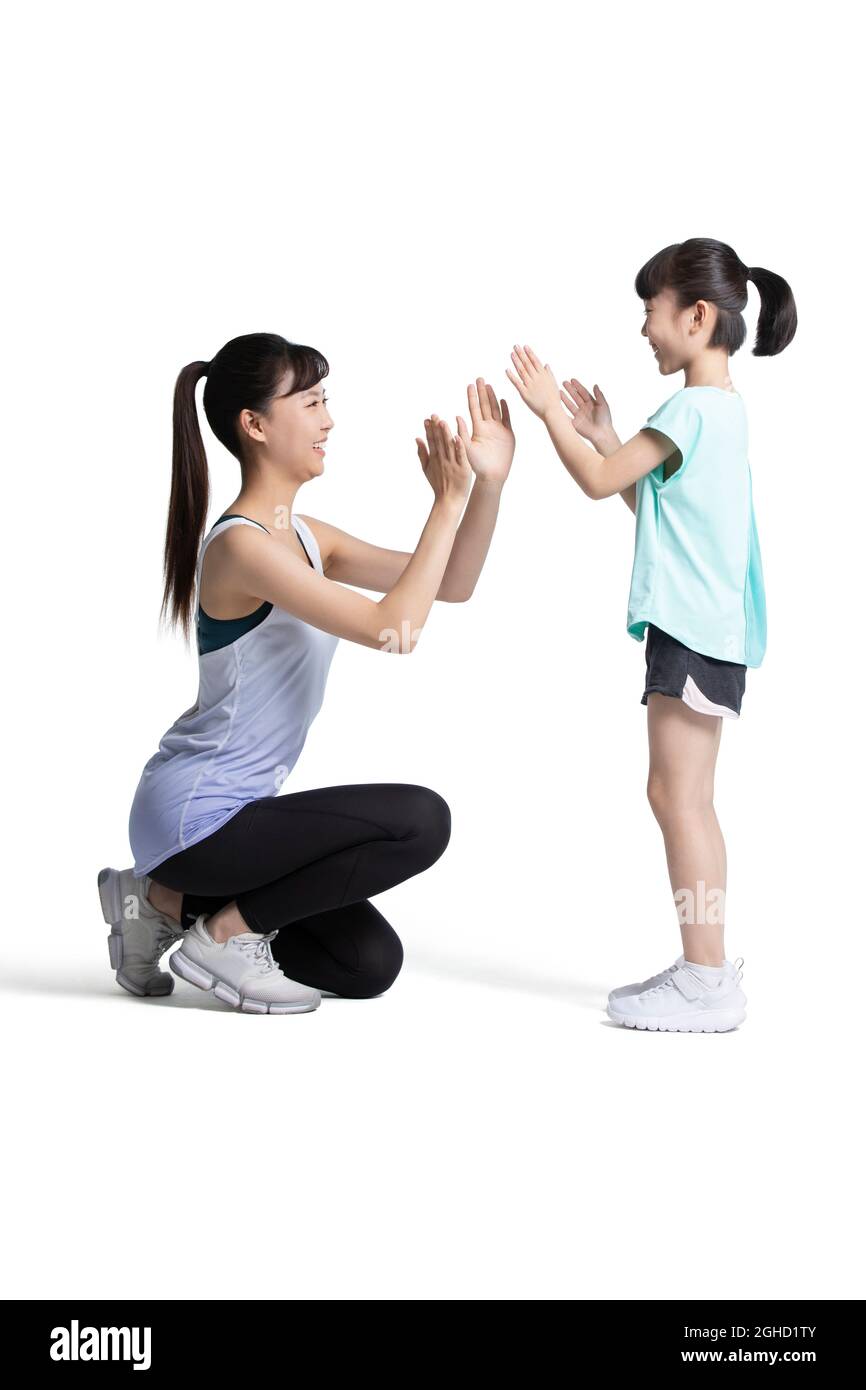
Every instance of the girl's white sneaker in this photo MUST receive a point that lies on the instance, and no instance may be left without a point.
(241, 971)
(686, 1002)
(646, 984)
(140, 935)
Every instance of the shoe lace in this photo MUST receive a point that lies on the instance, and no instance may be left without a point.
(259, 949)
(665, 984)
(164, 938)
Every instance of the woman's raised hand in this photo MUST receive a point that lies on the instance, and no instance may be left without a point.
(444, 461)
(591, 413)
(536, 383)
(490, 446)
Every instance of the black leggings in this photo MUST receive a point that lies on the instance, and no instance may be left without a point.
(306, 863)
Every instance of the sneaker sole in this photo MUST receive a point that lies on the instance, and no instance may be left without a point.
(108, 884)
(721, 1022)
(202, 979)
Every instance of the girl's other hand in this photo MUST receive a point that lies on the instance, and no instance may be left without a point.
(490, 446)
(444, 461)
(591, 414)
(536, 383)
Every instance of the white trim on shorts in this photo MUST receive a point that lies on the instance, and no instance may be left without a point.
(697, 700)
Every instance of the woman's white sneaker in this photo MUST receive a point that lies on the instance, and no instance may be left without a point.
(688, 1001)
(646, 984)
(241, 971)
(140, 935)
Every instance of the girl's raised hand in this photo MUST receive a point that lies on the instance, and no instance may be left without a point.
(536, 383)
(444, 461)
(490, 446)
(591, 413)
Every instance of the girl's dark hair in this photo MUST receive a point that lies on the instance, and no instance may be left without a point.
(702, 268)
(245, 374)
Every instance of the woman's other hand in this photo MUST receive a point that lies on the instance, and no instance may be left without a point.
(490, 446)
(443, 458)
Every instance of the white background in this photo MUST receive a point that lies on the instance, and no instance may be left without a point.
(413, 189)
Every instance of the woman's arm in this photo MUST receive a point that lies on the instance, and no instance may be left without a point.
(598, 478)
(267, 570)
(350, 560)
(490, 450)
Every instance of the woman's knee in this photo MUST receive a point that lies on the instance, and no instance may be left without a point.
(427, 820)
(380, 960)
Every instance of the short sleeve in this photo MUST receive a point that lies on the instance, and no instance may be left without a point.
(680, 420)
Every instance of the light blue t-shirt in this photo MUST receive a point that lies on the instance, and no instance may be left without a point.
(697, 562)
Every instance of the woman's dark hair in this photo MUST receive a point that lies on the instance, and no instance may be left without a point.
(702, 268)
(245, 374)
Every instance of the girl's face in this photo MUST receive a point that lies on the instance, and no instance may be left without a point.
(295, 430)
(674, 334)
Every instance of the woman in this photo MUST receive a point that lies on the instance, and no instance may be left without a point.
(269, 895)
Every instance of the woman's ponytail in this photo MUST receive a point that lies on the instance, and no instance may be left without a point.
(777, 320)
(188, 504)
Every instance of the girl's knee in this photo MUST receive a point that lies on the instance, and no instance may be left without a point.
(657, 794)
(671, 798)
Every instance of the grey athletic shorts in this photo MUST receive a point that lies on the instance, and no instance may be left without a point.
(704, 683)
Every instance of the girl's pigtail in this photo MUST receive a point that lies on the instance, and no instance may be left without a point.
(777, 320)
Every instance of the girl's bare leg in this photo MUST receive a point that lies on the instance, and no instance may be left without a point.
(683, 746)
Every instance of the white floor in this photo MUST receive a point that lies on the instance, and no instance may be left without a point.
(481, 1131)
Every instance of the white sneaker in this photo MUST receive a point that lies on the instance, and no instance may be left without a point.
(241, 971)
(685, 1003)
(140, 934)
(646, 984)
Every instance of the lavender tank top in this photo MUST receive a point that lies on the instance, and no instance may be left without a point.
(258, 695)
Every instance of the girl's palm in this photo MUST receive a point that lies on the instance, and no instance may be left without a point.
(590, 414)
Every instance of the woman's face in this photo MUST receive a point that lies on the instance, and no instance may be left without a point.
(675, 335)
(295, 430)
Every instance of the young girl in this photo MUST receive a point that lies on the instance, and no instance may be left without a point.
(696, 586)
(222, 864)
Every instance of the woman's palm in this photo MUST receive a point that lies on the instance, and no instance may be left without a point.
(490, 446)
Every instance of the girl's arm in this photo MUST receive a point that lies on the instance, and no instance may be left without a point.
(490, 449)
(266, 570)
(598, 478)
(607, 444)
(592, 419)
